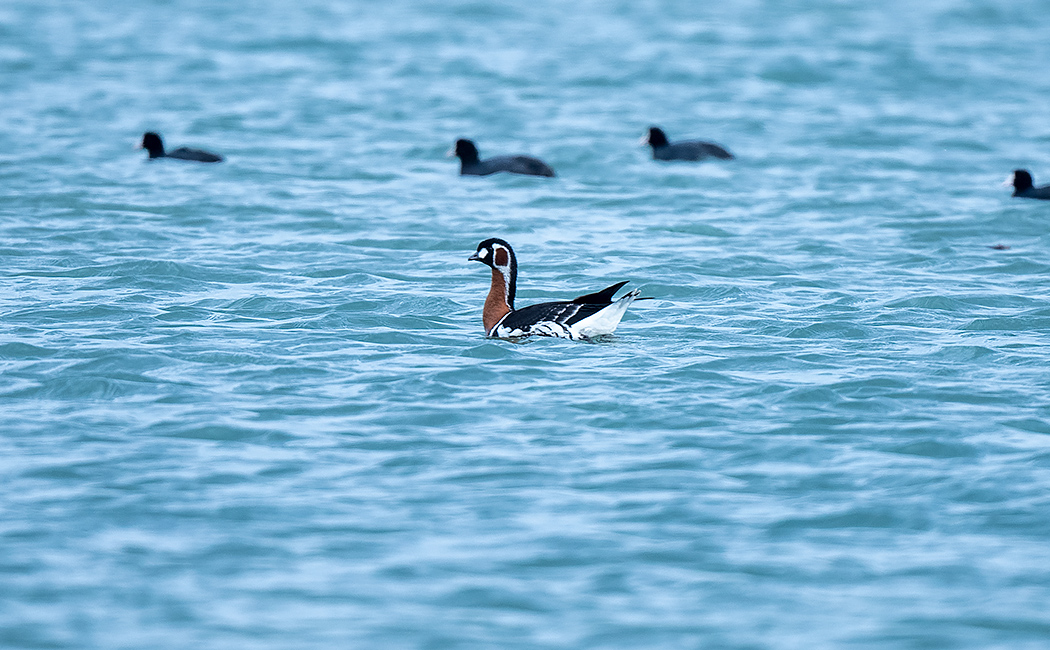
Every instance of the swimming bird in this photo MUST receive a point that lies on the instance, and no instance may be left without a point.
(583, 318)
(472, 165)
(663, 149)
(1022, 182)
(151, 142)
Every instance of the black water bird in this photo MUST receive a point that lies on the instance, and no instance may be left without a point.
(151, 142)
(663, 149)
(472, 165)
(1022, 183)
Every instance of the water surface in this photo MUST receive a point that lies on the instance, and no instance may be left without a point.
(251, 405)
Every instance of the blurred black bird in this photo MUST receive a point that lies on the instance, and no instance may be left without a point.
(663, 149)
(1022, 182)
(151, 142)
(472, 165)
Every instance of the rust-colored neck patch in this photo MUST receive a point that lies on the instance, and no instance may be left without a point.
(496, 306)
(501, 258)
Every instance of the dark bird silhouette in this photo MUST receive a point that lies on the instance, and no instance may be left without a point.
(151, 142)
(663, 149)
(1022, 182)
(472, 165)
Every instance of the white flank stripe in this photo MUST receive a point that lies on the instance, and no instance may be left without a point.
(606, 320)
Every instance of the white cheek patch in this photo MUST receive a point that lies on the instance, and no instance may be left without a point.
(484, 253)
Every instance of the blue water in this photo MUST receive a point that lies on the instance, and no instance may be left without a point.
(250, 405)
